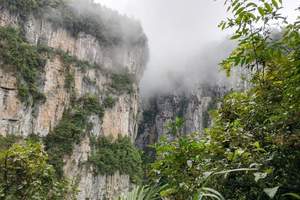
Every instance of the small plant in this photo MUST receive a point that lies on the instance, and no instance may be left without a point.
(109, 102)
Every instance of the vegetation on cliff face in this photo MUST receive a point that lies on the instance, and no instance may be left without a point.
(23, 59)
(256, 130)
(26, 7)
(110, 156)
(73, 126)
(122, 82)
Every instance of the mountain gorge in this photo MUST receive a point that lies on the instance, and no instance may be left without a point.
(81, 118)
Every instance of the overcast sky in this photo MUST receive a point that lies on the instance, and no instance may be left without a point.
(179, 31)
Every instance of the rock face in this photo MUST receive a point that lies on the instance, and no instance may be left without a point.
(40, 119)
(193, 105)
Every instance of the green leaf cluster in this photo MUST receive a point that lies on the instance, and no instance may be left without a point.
(26, 174)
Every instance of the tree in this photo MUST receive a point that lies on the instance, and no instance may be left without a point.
(25, 174)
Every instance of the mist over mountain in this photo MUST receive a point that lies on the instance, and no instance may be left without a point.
(185, 43)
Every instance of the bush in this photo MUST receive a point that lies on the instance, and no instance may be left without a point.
(122, 82)
(110, 156)
(109, 102)
(26, 174)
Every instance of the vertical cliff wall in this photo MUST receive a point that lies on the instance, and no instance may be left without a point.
(76, 66)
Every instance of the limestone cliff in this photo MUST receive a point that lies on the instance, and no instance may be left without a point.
(104, 62)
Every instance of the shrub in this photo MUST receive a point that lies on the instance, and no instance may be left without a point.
(122, 82)
(109, 156)
(109, 102)
(26, 174)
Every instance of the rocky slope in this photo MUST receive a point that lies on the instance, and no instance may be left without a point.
(106, 64)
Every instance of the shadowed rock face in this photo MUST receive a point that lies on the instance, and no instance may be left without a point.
(193, 106)
(40, 119)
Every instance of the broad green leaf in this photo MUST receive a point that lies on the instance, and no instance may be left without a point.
(275, 3)
(271, 192)
(235, 37)
(296, 196)
(259, 175)
(251, 4)
(261, 11)
(268, 7)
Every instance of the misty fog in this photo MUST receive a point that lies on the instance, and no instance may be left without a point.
(185, 43)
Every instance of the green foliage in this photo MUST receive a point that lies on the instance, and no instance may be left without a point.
(26, 174)
(23, 59)
(180, 164)
(175, 126)
(110, 156)
(261, 125)
(122, 82)
(72, 127)
(109, 102)
(26, 7)
(8, 141)
(142, 193)
(90, 105)
(256, 129)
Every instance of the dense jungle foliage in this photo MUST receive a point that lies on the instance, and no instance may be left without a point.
(252, 149)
